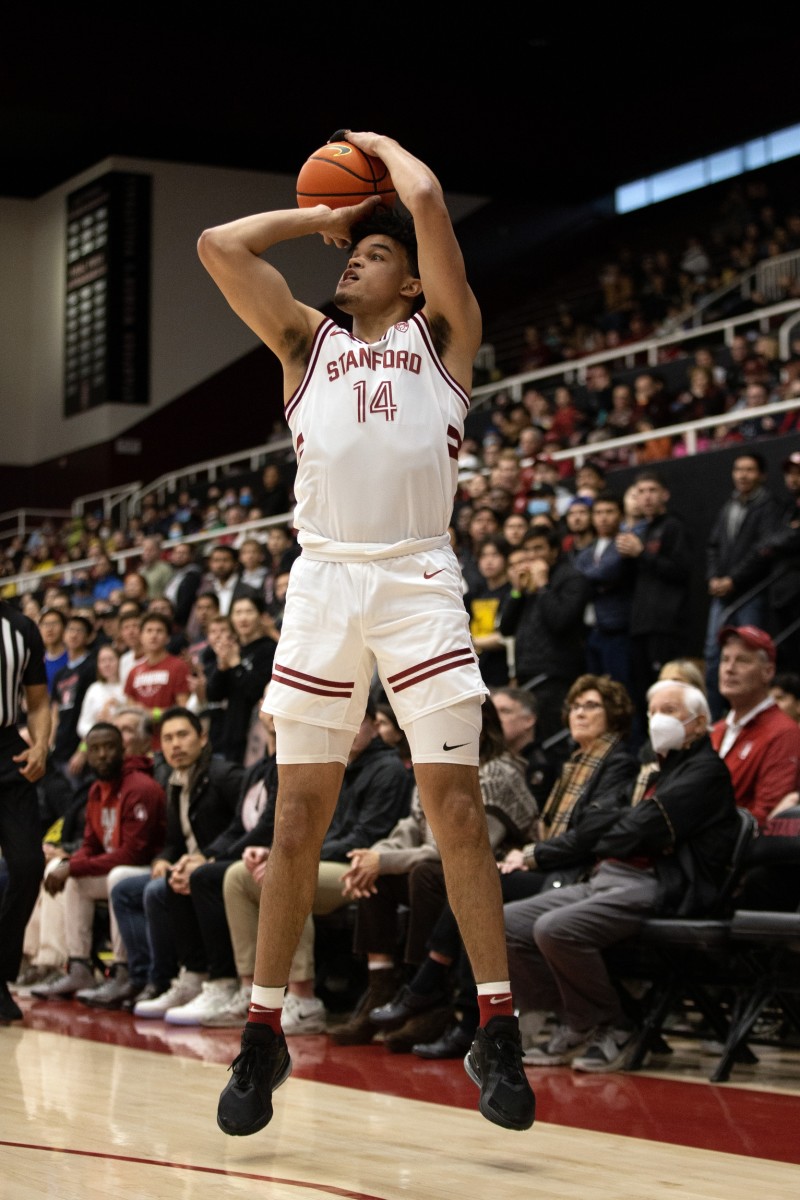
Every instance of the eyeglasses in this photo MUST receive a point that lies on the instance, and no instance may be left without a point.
(585, 706)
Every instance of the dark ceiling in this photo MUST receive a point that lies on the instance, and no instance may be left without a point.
(503, 112)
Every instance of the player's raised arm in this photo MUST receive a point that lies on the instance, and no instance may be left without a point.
(256, 291)
(441, 263)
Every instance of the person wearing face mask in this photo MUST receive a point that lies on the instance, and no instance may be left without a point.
(665, 852)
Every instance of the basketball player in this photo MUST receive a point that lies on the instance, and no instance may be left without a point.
(377, 417)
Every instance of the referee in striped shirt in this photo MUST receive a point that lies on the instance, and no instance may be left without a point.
(22, 672)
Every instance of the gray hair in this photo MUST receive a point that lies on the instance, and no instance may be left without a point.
(696, 703)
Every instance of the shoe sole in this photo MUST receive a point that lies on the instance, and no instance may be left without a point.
(261, 1122)
(490, 1114)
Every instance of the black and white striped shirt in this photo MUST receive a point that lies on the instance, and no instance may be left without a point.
(21, 661)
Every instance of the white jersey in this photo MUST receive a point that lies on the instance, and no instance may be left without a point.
(376, 429)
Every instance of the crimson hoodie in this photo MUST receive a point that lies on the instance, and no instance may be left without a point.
(125, 821)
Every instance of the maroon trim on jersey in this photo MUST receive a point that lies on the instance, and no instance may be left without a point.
(328, 687)
(421, 321)
(446, 662)
(299, 448)
(453, 433)
(316, 348)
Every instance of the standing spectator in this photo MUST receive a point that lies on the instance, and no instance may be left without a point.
(272, 497)
(161, 680)
(70, 685)
(743, 523)
(484, 604)
(184, 582)
(578, 520)
(130, 633)
(240, 674)
(612, 578)
(153, 568)
(22, 764)
(544, 615)
(224, 576)
(663, 566)
(124, 826)
(52, 623)
(778, 556)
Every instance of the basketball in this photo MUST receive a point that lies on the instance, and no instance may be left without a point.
(339, 174)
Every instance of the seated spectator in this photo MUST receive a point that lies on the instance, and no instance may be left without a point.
(373, 797)
(785, 691)
(759, 744)
(124, 826)
(105, 696)
(666, 854)
(391, 872)
(598, 713)
(161, 680)
(202, 797)
(240, 673)
(134, 587)
(273, 497)
(601, 764)
(388, 728)
(518, 712)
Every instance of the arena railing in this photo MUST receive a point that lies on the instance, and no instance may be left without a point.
(126, 501)
(17, 522)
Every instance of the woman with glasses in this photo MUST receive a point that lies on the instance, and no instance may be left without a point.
(598, 712)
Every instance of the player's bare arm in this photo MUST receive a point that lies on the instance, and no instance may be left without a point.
(450, 305)
(256, 291)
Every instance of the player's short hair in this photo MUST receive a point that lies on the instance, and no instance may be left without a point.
(393, 225)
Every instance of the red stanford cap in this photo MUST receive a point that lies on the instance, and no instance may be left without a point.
(751, 635)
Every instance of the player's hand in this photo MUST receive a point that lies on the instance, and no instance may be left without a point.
(336, 223)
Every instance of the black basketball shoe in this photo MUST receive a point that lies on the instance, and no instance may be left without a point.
(245, 1105)
(494, 1062)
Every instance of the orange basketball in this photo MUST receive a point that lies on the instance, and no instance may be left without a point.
(339, 174)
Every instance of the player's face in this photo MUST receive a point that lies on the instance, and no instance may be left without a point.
(376, 273)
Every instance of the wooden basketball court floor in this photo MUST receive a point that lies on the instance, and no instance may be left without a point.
(106, 1105)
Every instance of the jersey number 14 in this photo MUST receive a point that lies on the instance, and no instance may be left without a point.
(381, 401)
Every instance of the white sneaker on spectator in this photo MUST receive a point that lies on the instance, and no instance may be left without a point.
(184, 988)
(561, 1048)
(531, 1024)
(303, 1016)
(610, 1050)
(234, 1014)
(214, 995)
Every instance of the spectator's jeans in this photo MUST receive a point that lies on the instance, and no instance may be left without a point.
(147, 936)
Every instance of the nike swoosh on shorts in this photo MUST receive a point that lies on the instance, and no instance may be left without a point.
(456, 747)
(430, 574)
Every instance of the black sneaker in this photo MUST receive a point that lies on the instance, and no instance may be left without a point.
(245, 1105)
(494, 1062)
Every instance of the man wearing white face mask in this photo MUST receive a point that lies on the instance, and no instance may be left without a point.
(664, 853)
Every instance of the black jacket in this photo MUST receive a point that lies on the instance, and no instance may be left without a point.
(215, 792)
(242, 687)
(565, 858)
(662, 577)
(547, 625)
(235, 838)
(688, 827)
(726, 555)
(375, 795)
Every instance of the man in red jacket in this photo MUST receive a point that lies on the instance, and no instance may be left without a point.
(759, 744)
(125, 826)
